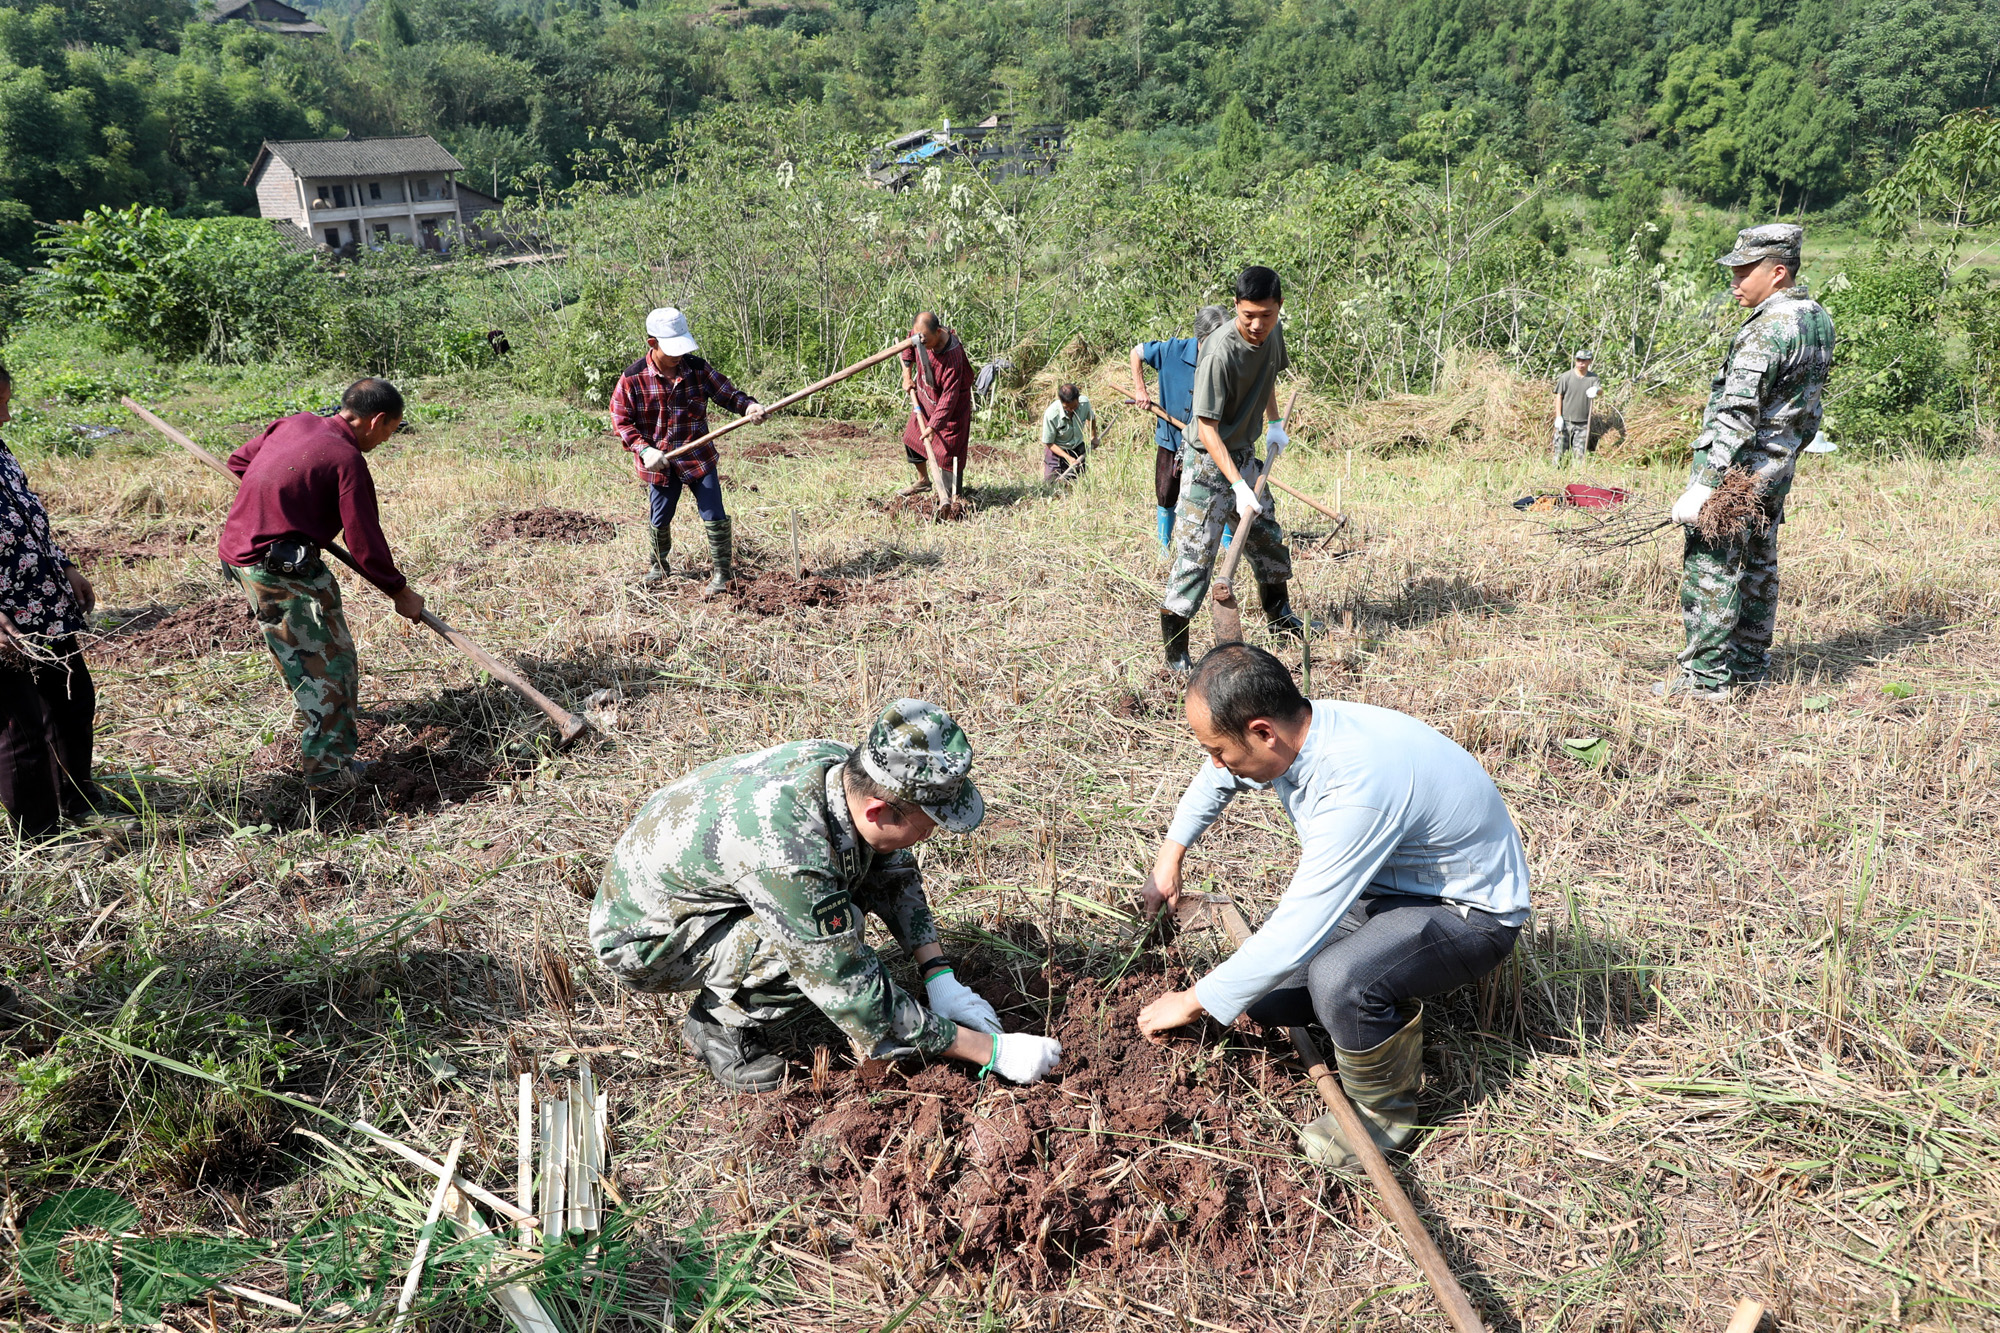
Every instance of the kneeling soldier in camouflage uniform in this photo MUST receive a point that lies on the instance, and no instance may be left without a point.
(305, 481)
(1763, 408)
(747, 880)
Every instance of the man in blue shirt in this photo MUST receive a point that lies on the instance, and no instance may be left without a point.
(1412, 880)
(1174, 359)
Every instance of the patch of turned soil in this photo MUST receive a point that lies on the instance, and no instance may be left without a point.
(772, 593)
(547, 525)
(828, 431)
(412, 772)
(926, 509)
(91, 554)
(1132, 1156)
(221, 624)
(767, 449)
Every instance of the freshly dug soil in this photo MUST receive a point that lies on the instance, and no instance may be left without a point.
(1735, 511)
(771, 593)
(93, 554)
(221, 624)
(548, 525)
(926, 509)
(420, 773)
(839, 430)
(1132, 1157)
(766, 449)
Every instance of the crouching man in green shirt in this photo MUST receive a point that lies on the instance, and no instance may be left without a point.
(747, 882)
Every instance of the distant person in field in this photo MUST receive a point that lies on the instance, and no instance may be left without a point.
(305, 481)
(1174, 359)
(660, 404)
(1235, 400)
(1412, 881)
(939, 431)
(1065, 423)
(48, 702)
(1763, 409)
(748, 882)
(1576, 392)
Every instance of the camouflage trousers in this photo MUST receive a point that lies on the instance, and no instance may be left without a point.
(1572, 437)
(1729, 603)
(745, 979)
(1206, 505)
(306, 631)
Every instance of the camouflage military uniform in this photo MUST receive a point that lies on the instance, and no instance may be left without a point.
(1763, 408)
(748, 881)
(306, 631)
(1206, 505)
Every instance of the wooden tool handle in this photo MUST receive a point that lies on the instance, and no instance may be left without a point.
(1151, 406)
(569, 726)
(1305, 499)
(1226, 575)
(803, 394)
(1748, 1315)
(1423, 1250)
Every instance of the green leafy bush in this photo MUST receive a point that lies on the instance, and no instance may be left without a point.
(1895, 385)
(223, 288)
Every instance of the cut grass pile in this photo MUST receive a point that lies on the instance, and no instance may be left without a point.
(1746, 1046)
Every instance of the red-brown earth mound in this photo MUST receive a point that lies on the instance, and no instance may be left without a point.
(221, 624)
(547, 525)
(1134, 1156)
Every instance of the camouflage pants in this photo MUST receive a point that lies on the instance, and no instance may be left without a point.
(747, 981)
(306, 631)
(1206, 505)
(1570, 436)
(1729, 602)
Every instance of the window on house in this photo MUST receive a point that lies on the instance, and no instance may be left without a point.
(423, 187)
(333, 238)
(381, 233)
(375, 190)
(320, 193)
(340, 196)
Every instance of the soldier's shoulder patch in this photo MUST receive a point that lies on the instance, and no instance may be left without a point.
(834, 914)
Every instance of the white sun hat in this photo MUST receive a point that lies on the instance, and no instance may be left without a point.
(670, 326)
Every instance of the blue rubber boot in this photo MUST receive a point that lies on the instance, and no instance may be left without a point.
(1166, 528)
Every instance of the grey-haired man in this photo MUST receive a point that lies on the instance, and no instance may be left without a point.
(747, 881)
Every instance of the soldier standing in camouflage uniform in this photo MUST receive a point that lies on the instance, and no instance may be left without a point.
(305, 480)
(1763, 408)
(1235, 392)
(747, 882)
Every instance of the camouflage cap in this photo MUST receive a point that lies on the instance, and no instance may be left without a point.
(916, 751)
(1583, 354)
(1782, 241)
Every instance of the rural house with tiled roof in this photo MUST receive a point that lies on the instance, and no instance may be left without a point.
(344, 193)
(266, 16)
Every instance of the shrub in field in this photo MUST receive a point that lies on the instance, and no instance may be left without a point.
(391, 312)
(223, 288)
(1896, 386)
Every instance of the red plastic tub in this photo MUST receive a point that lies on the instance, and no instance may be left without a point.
(1594, 497)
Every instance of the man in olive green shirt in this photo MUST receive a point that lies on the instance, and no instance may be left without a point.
(1235, 396)
(1576, 391)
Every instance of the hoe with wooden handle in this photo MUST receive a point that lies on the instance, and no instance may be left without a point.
(1276, 485)
(790, 398)
(569, 725)
(1222, 592)
(1219, 910)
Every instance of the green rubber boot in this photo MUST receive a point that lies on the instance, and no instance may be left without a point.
(1382, 1083)
(723, 551)
(663, 546)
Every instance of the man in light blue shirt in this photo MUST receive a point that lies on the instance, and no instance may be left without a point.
(1174, 359)
(1412, 880)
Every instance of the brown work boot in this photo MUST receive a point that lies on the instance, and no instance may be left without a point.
(1382, 1083)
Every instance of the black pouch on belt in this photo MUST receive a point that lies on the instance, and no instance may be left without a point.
(294, 557)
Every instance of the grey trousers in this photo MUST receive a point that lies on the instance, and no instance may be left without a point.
(1387, 949)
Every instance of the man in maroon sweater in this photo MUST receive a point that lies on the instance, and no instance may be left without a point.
(304, 482)
(940, 426)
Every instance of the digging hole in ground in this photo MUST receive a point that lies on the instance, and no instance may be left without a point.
(1130, 1157)
(220, 624)
(567, 526)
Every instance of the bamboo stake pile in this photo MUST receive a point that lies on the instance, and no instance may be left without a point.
(575, 1156)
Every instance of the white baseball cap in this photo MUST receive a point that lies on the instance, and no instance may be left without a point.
(670, 326)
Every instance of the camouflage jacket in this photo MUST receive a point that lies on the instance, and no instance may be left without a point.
(1764, 405)
(770, 832)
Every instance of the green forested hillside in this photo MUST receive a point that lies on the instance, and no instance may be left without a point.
(1747, 102)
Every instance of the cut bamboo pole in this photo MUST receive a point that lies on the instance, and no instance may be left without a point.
(416, 1273)
(1748, 1315)
(798, 565)
(790, 398)
(409, 1154)
(559, 1136)
(518, 1303)
(524, 1155)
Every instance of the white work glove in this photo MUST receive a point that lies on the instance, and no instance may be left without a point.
(953, 999)
(649, 458)
(1275, 441)
(1591, 392)
(1687, 509)
(755, 411)
(1020, 1057)
(1248, 506)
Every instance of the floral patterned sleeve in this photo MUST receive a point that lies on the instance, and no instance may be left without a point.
(34, 580)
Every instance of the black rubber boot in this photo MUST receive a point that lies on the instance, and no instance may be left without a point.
(1174, 635)
(1278, 613)
(663, 546)
(722, 549)
(736, 1056)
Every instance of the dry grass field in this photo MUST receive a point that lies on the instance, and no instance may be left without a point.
(1747, 1047)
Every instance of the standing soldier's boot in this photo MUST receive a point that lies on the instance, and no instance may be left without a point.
(719, 547)
(736, 1056)
(663, 546)
(1174, 634)
(1278, 613)
(1382, 1083)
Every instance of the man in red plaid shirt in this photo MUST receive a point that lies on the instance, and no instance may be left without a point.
(661, 402)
